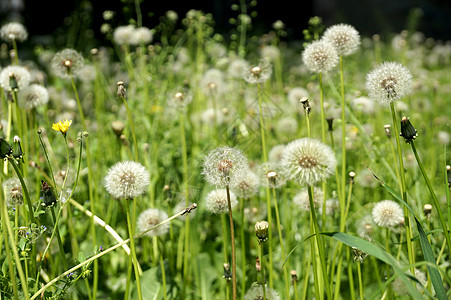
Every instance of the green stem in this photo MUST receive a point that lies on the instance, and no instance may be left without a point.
(403, 192)
(433, 195)
(132, 126)
(132, 248)
(321, 97)
(58, 238)
(118, 245)
(7, 225)
(359, 273)
(243, 249)
(224, 246)
(319, 242)
(343, 128)
(13, 163)
(279, 229)
(232, 235)
(263, 279)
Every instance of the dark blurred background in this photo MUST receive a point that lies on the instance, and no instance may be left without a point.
(50, 20)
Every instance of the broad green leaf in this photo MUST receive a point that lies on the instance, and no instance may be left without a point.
(380, 254)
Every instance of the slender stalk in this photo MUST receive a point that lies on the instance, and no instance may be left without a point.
(321, 97)
(319, 242)
(232, 235)
(132, 248)
(403, 192)
(13, 162)
(98, 255)
(224, 246)
(243, 249)
(343, 128)
(279, 229)
(359, 274)
(433, 195)
(268, 194)
(262, 265)
(58, 238)
(10, 234)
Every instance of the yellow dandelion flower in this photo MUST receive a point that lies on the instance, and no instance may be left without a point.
(62, 126)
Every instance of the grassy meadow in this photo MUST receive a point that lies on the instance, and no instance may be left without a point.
(179, 163)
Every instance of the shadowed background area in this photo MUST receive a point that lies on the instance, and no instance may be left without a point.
(52, 20)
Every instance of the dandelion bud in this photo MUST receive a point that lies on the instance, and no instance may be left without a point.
(330, 121)
(427, 210)
(261, 230)
(227, 272)
(387, 130)
(408, 132)
(351, 176)
(294, 276)
(48, 196)
(359, 255)
(305, 103)
(121, 91)
(448, 174)
(118, 127)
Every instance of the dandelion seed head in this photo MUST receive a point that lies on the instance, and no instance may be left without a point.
(387, 213)
(272, 174)
(216, 201)
(224, 166)
(122, 35)
(344, 37)
(67, 62)
(179, 98)
(237, 68)
(308, 160)
(247, 187)
(320, 56)
(33, 96)
(151, 217)
(141, 36)
(276, 152)
(259, 73)
(13, 192)
(21, 75)
(270, 52)
(301, 199)
(363, 104)
(388, 82)
(127, 180)
(13, 31)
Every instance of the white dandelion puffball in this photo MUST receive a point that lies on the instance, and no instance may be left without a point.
(320, 56)
(387, 213)
(344, 37)
(308, 160)
(67, 62)
(216, 201)
(151, 217)
(127, 179)
(33, 96)
(224, 166)
(256, 293)
(13, 31)
(388, 82)
(302, 200)
(20, 74)
(248, 186)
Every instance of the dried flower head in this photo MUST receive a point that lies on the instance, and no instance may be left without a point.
(301, 199)
(127, 179)
(320, 56)
(388, 82)
(13, 31)
(224, 166)
(216, 201)
(308, 160)
(13, 192)
(14, 78)
(344, 37)
(259, 73)
(67, 62)
(33, 96)
(387, 213)
(151, 217)
(246, 187)
(256, 293)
